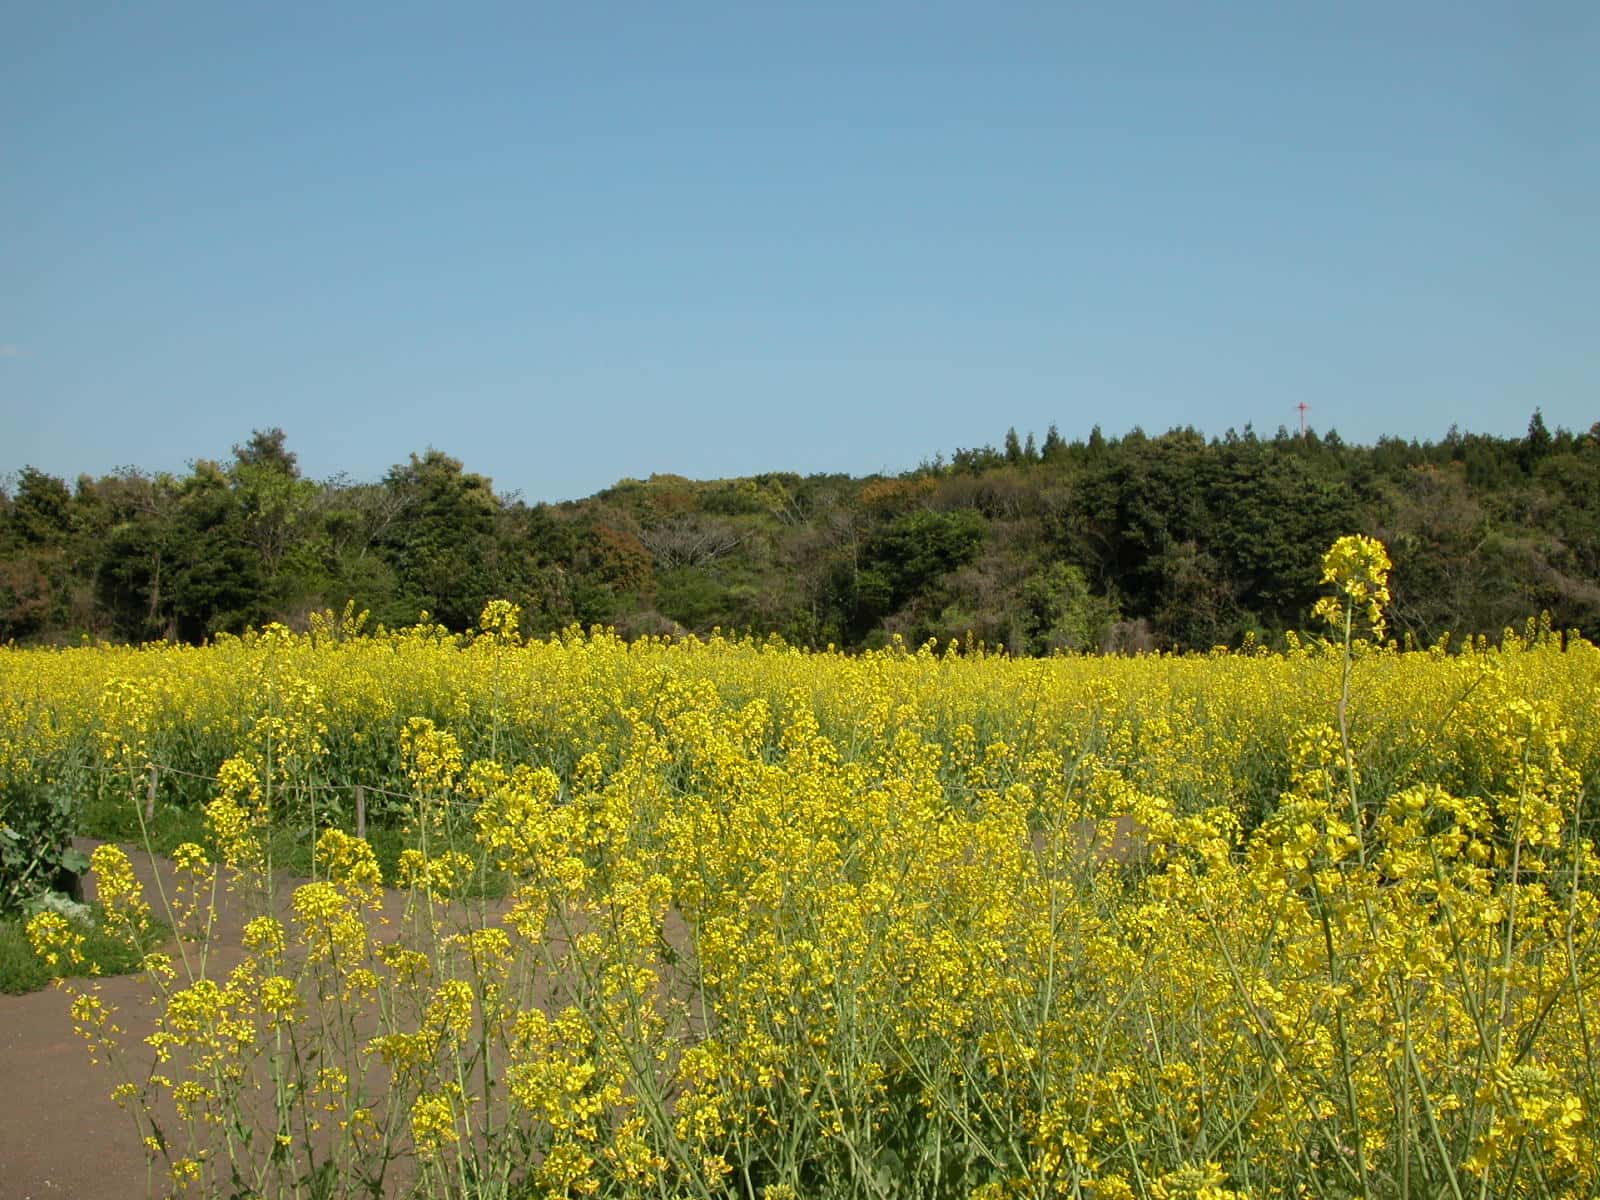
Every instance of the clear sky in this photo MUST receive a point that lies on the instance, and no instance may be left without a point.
(571, 242)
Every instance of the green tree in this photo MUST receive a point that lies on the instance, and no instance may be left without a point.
(40, 511)
(218, 585)
(442, 545)
(136, 515)
(1055, 447)
(1536, 445)
(907, 558)
(35, 568)
(1014, 452)
(277, 523)
(1063, 613)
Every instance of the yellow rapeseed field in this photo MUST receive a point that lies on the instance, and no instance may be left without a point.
(922, 922)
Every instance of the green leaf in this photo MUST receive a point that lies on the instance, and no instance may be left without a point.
(74, 860)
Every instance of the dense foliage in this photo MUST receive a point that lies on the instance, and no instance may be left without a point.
(1135, 542)
(783, 923)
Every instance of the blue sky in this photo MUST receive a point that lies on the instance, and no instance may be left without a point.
(571, 243)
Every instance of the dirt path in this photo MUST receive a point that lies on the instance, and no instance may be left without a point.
(61, 1135)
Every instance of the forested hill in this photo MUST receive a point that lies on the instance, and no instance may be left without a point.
(1120, 543)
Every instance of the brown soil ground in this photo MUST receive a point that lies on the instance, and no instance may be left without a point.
(61, 1135)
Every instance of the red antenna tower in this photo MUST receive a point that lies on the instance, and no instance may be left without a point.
(1304, 408)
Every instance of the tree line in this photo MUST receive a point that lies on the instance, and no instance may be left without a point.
(1136, 542)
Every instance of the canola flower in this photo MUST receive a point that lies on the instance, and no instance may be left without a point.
(920, 922)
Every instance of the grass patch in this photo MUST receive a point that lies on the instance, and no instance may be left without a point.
(291, 848)
(103, 953)
(169, 828)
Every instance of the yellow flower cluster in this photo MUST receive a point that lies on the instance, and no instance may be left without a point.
(56, 940)
(1358, 568)
(236, 816)
(433, 1124)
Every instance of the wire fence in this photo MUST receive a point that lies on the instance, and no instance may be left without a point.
(360, 792)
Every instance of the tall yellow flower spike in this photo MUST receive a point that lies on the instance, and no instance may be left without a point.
(1358, 568)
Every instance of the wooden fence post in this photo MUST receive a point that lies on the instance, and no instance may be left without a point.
(361, 811)
(150, 794)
